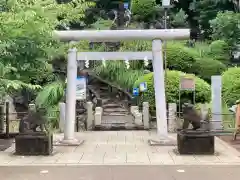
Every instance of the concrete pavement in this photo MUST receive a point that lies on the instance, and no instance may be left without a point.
(120, 148)
(120, 172)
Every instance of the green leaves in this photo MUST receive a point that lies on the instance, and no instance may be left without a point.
(226, 26)
(116, 72)
(179, 19)
(8, 86)
(50, 95)
(143, 8)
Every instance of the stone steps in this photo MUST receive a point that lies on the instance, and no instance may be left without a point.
(115, 115)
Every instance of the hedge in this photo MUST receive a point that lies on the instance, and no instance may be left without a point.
(205, 68)
(231, 85)
(203, 92)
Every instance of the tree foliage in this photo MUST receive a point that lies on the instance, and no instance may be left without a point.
(226, 27)
(26, 34)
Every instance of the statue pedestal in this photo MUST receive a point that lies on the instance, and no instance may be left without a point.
(34, 143)
(195, 142)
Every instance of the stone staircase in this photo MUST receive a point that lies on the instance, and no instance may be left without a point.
(113, 114)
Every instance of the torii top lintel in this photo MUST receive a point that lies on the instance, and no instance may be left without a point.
(117, 35)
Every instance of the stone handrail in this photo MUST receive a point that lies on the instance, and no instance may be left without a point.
(93, 94)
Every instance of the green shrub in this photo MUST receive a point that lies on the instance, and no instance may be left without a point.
(143, 8)
(172, 88)
(205, 68)
(219, 50)
(231, 85)
(178, 58)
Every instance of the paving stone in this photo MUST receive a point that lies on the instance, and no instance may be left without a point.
(92, 158)
(183, 159)
(19, 160)
(6, 158)
(62, 149)
(70, 158)
(141, 133)
(160, 158)
(138, 158)
(134, 140)
(126, 148)
(165, 149)
(115, 158)
(208, 159)
(225, 147)
(47, 159)
(10, 149)
(229, 158)
(146, 148)
(115, 139)
(86, 148)
(104, 148)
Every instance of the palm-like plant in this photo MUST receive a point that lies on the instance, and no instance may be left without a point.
(49, 98)
(116, 72)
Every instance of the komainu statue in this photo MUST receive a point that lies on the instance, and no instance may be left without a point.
(190, 116)
(35, 121)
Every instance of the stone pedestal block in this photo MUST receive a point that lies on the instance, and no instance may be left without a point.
(195, 142)
(37, 143)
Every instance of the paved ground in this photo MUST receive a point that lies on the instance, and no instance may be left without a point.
(121, 148)
(120, 173)
(235, 143)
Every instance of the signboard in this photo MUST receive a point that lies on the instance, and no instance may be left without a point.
(81, 88)
(135, 91)
(187, 83)
(143, 87)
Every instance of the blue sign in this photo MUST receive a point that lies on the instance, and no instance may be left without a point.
(81, 88)
(126, 4)
(135, 91)
(80, 77)
(143, 87)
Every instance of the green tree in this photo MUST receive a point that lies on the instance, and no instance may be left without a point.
(26, 33)
(226, 27)
(27, 44)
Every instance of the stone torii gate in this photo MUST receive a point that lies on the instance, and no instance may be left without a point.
(157, 36)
